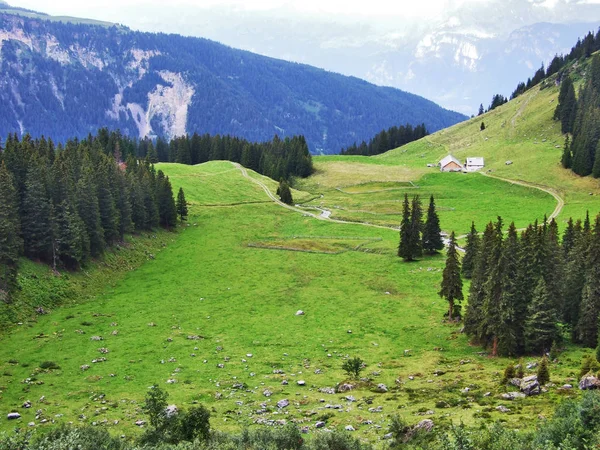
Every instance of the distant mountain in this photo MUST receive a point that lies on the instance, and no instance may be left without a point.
(68, 79)
(458, 60)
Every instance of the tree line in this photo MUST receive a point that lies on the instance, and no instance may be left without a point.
(418, 237)
(497, 100)
(389, 139)
(582, 49)
(525, 287)
(580, 116)
(278, 158)
(65, 205)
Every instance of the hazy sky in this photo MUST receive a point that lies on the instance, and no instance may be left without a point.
(383, 8)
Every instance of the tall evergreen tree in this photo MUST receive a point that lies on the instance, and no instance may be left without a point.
(490, 327)
(166, 203)
(432, 234)
(71, 243)
(567, 158)
(541, 328)
(566, 104)
(416, 226)
(36, 219)
(181, 205)
(88, 209)
(451, 288)
(590, 302)
(404, 249)
(471, 250)
(11, 244)
(284, 192)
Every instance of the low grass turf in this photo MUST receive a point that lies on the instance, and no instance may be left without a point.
(210, 299)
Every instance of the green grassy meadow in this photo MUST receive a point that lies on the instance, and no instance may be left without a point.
(210, 298)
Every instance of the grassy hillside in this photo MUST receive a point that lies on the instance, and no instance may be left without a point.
(521, 131)
(226, 293)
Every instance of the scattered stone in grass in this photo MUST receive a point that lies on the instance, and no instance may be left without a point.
(13, 416)
(320, 424)
(267, 393)
(487, 394)
(113, 324)
(151, 324)
(376, 410)
(79, 331)
(350, 398)
(299, 312)
(567, 386)
(98, 360)
(283, 403)
(171, 381)
(219, 348)
(194, 337)
(382, 388)
(169, 339)
(466, 390)
(349, 428)
(589, 382)
(301, 382)
(502, 409)
(513, 395)
(304, 430)
(172, 360)
(84, 367)
(425, 425)
(285, 382)
(96, 338)
(218, 395)
(345, 387)
(318, 371)
(103, 350)
(328, 406)
(531, 365)
(249, 355)
(140, 423)
(530, 385)
(31, 424)
(327, 390)
(349, 331)
(278, 371)
(407, 352)
(221, 366)
(388, 436)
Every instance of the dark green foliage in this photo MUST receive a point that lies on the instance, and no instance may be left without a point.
(155, 405)
(482, 126)
(540, 326)
(481, 110)
(589, 365)
(416, 227)
(432, 233)
(451, 288)
(471, 249)
(71, 243)
(285, 193)
(353, 366)
(567, 104)
(389, 139)
(567, 158)
(497, 100)
(194, 424)
(49, 365)
(167, 212)
(543, 372)
(521, 368)
(11, 244)
(404, 250)
(36, 214)
(181, 205)
(590, 302)
(509, 373)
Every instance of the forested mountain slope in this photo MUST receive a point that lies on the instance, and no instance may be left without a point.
(66, 79)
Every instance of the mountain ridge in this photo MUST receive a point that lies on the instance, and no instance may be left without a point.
(165, 84)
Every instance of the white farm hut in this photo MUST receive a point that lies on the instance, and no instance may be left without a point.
(474, 164)
(450, 164)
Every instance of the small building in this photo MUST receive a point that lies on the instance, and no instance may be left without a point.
(450, 164)
(474, 164)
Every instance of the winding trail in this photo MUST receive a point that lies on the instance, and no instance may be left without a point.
(325, 213)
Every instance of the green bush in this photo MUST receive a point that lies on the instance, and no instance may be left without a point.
(353, 367)
(49, 365)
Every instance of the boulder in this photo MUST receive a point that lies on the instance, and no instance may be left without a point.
(320, 424)
(140, 423)
(299, 312)
(513, 395)
(349, 428)
(13, 416)
(301, 382)
(171, 411)
(27, 404)
(345, 387)
(515, 382)
(267, 393)
(283, 403)
(589, 382)
(382, 388)
(327, 390)
(530, 385)
(567, 386)
(425, 425)
(502, 409)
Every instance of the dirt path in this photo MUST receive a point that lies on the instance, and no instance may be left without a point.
(560, 203)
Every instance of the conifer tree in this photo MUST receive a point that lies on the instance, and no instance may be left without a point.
(481, 110)
(404, 249)
(181, 205)
(590, 302)
(284, 192)
(432, 234)
(451, 288)
(482, 127)
(471, 250)
(36, 224)
(166, 203)
(567, 159)
(71, 243)
(574, 280)
(475, 316)
(490, 326)
(540, 327)
(543, 372)
(566, 104)
(89, 211)
(416, 226)
(510, 329)
(11, 244)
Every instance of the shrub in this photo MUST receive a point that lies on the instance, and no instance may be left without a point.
(521, 369)
(509, 373)
(353, 367)
(543, 372)
(49, 365)
(588, 364)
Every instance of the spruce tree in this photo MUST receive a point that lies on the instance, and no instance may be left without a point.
(71, 243)
(471, 250)
(566, 104)
(416, 226)
(36, 224)
(543, 372)
(284, 192)
(510, 322)
(590, 302)
(540, 326)
(574, 280)
(490, 327)
(166, 203)
(181, 205)
(432, 234)
(11, 244)
(451, 288)
(475, 316)
(89, 211)
(404, 249)
(567, 158)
